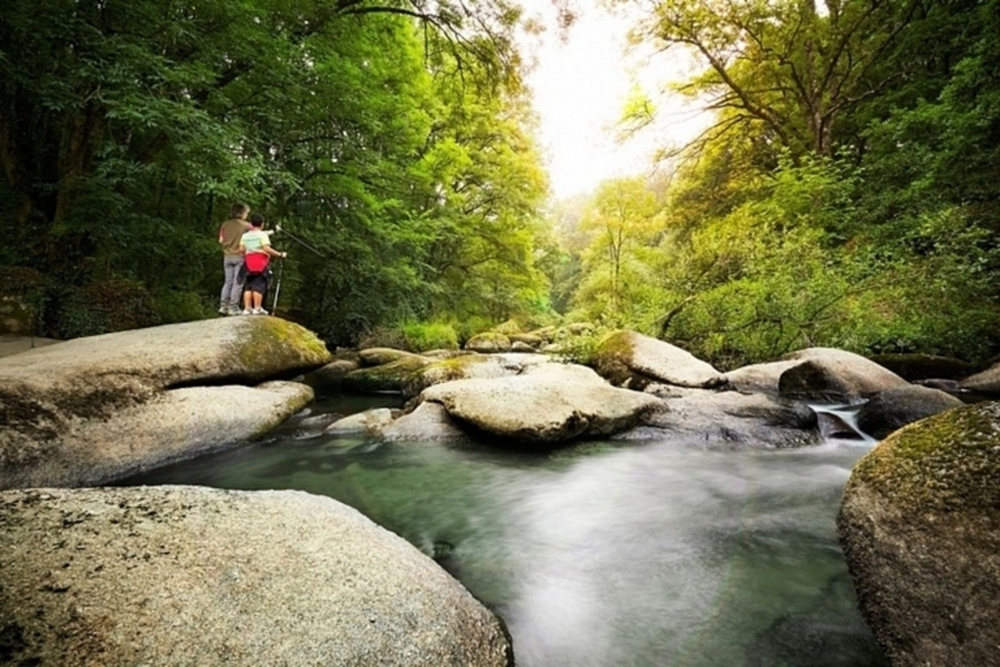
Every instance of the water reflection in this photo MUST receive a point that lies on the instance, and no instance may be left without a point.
(605, 553)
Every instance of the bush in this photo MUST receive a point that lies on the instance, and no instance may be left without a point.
(100, 307)
(176, 306)
(421, 336)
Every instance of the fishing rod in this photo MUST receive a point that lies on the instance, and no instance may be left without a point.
(282, 230)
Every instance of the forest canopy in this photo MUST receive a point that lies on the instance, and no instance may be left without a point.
(845, 193)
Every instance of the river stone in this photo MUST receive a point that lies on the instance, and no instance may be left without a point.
(630, 359)
(470, 366)
(57, 397)
(987, 382)
(548, 403)
(182, 575)
(427, 422)
(894, 408)
(369, 421)
(758, 377)
(914, 367)
(730, 418)
(835, 376)
(392, 376)
(488, 342)
(920, 528)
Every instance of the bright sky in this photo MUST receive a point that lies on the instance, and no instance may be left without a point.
(580, 89)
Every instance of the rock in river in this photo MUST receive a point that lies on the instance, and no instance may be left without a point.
(920, 527)
(180, 575)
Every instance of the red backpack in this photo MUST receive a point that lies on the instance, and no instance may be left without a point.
(256, 262)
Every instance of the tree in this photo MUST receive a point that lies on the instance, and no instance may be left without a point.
(622, 217)
(785, 68)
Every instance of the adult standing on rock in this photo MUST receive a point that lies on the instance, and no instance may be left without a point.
(257, 251)
(230, 234)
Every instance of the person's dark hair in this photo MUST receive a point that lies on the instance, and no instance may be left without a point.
(238, 210)
(257, 220)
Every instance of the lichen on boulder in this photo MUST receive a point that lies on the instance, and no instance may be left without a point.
(920, 527)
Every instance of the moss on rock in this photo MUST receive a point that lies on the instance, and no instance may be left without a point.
(944, 462)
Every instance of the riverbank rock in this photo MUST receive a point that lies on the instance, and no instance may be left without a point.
(194, 576)
(548, 403)
(56, 401)
(920, 527)
(729, 418)
(894, 408)
(834, 376)
(913, 367)
(630, 359)
(986, 382)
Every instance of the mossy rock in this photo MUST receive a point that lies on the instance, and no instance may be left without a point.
(913, 367)
(379, 356)
(508, 328)
(487, 342)
(920, 528)
(458, 368)
(387, 377)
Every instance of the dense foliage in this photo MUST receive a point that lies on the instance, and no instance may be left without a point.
(847, 193)
(390, 138)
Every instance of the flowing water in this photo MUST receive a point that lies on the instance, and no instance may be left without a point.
(605, 553)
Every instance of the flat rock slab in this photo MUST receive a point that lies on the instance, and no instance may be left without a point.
(175, 424)
(728, 418)
(193, 576)
(548, 403)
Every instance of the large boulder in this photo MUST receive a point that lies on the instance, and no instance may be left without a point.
(172, 425)
(548, 403)
(729, 418)
(630, 359)
(89, 409)
(196, 576)
(15, 344)
(832, 375)
(920, 527)
(894, 408)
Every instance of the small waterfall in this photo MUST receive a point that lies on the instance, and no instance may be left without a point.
(840, 423)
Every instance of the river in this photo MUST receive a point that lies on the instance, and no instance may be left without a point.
(663, 553)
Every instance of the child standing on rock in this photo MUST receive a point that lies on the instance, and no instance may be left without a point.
(255, 245)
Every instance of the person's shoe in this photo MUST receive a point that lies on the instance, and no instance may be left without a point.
(259, 311)
(246, 312)
(224, 310)
(234, 310)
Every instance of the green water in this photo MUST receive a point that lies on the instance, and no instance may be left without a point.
(601, 554)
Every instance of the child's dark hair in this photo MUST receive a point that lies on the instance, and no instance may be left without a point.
(257, 220)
